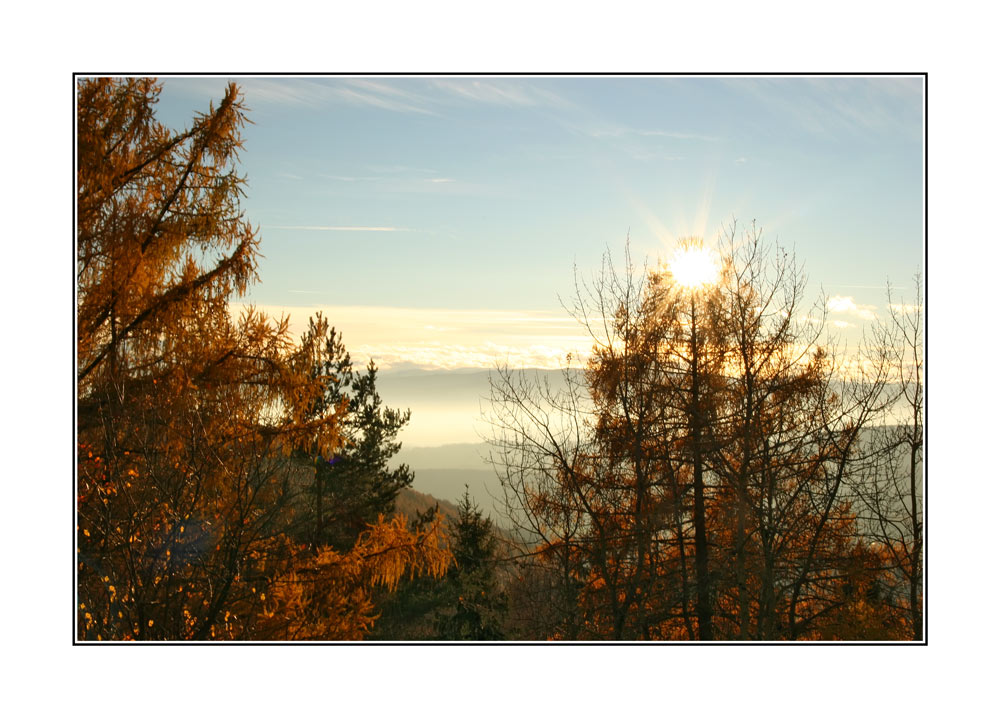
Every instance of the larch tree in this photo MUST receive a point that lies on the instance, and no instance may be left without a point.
(593, 469)
(188, 417)
(788, 440)
(355, 484)
(695, 481)
(891, 492)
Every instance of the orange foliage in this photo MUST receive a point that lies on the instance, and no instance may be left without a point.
(329, 596)
(188, 497)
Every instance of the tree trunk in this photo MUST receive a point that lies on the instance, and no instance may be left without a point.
(916, 607)
(704, 604)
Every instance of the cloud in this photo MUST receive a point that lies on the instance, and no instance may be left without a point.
(323, 228)
(319, 92)
(283, 91)
(836, 323)
(401, 169)
(435, 355)
(643, 145)
(343, 178)
(623, 131)
(408, 180)
(377, 94)
(834, 106)
(499, 92)
(903, 308)
(845, 305)
(419, 96)
(444, 338)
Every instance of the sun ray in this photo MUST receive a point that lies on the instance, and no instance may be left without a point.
(694, 265)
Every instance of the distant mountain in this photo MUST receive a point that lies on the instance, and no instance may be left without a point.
(412, 369)
(411, 503)
(484, 488)
(444, 471)
(447, 406)
(449, 456)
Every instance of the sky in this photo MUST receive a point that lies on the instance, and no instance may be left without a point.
(438, 221)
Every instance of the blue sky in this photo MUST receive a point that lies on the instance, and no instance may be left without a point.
(438, 219)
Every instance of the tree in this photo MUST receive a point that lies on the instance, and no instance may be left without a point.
(154, 209)
(710, 421)
(592, 469)
(789, 440)
(891, 493)
(188, 419)
(478, 604)
(410, 612)
(354, 485)
(693, 371)
(331, 595)
(173, 394)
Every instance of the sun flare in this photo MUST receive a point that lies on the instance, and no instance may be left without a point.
(694, 266)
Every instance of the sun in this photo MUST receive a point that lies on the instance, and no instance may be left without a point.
(694, 266)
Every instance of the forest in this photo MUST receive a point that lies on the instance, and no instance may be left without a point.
(715, 470)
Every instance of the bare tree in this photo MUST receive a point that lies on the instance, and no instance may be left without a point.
(696, 480)
(892, 491)
(583, 465)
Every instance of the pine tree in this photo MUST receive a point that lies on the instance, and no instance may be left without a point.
(354, 484)
(478, 603)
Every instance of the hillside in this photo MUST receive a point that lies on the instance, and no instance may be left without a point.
(410, 503)
(444, 472)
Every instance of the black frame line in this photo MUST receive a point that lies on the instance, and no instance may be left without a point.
(540, 74)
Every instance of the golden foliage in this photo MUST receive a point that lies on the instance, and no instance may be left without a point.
(328, 595)
(188, 497)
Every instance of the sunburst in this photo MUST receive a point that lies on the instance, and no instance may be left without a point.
(694, 266)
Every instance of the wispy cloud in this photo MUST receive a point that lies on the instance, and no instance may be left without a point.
(346, 178)
(644, 145)
(510, 93)
(407, 180)
(395, 175)
(423, 96)
(400, 169)
(622, 131)
(323, 228)
(386, 97)
(831, 106)
(317, 92)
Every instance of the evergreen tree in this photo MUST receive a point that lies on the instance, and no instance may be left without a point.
(410, 612)
(354, 485)
(478, 604)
